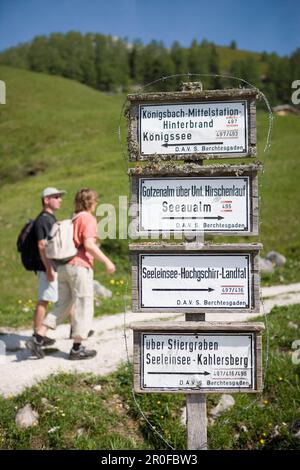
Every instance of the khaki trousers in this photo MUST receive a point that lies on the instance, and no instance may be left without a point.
(76, 294)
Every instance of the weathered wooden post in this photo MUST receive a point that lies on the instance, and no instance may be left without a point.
(196, 278)
(196, 415)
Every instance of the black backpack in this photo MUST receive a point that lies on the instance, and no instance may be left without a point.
(27, 246)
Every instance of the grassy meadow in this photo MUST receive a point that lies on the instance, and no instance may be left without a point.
(57, 132)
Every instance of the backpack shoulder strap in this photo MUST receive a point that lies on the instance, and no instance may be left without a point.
(75, 216)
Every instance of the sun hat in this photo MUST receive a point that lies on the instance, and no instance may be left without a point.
(51, 192)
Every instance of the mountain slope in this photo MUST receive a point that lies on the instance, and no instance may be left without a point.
(54, 132)
(47, 119)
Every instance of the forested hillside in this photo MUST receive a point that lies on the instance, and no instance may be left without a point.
(115, 65)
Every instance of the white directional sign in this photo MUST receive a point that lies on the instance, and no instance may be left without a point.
(210, 281)
(194, 204)
(207, 361)
(215, 127)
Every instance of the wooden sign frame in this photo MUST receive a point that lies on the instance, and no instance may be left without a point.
(194, 98)
(188, 171)
(198, 328)
(250, 250)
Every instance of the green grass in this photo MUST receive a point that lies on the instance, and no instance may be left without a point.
(56, 132)
(75, 416)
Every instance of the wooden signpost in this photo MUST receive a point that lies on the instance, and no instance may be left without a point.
(189, 278)
(188, 125)
(198, 357)
(222, 199)
(191, 199)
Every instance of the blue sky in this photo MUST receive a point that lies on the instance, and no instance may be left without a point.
(257, 25)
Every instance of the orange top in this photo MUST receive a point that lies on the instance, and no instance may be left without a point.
(85, 226)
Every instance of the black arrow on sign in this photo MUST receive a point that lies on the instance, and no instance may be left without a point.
(209, 289)
(219, 217)
(192, 143)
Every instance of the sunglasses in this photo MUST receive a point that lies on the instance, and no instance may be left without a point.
(57, 196)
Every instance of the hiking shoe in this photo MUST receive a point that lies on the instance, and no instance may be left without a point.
(47, 341)
(35, 348)
(82, 353)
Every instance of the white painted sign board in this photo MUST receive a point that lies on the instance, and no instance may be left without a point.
(209, 281)
(215, 127)
(206, 361)
(194, 204)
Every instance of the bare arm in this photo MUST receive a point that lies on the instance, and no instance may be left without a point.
(92, 248)
(50, 273)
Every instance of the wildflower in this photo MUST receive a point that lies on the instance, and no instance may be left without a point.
(53, 429)
(158, 402)
(264, 434)
(262, 441)
(19, 301)
(112, 281)
(162, 417)
(280, 378)
(266, 402)
(121, 282)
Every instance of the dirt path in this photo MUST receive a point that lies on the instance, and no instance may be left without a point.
(19, 370)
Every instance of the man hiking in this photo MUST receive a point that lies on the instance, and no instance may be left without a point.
(47, 277)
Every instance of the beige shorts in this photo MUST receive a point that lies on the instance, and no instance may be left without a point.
(75, 296)
(47, 291)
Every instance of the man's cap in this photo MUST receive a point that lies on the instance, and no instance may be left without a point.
(51, 192)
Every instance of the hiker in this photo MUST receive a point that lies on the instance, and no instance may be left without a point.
(75, 281)
(47, 277)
